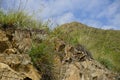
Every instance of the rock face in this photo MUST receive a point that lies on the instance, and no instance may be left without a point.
(15, 64)
(78, 64)
(6, 73)
(4, 43)
(74, 62)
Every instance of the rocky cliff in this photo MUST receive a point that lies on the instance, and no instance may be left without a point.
(15, 63)
(71, 62)
(77, 64)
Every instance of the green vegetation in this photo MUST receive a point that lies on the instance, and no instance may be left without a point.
(42, 57)
(41, 53)
(107, 63)
(103, 44)
(19, 19)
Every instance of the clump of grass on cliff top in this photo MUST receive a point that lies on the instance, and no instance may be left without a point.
(41, 53)
(18, 19)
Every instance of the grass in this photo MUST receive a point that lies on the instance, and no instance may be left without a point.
(103, 43)
(107, 63)
(42, 55)
(19, 19)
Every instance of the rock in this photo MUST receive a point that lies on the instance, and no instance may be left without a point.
(59, 44)
(33, 73)
(38, 35)
(22, 41)
(79, 71)
(20, 63)
(83, 51)
(4, 43)
(70, 72)
(10, 51)
(69, 51)
(25, 45)
(78, 64)
(6, 73)
(15, 64)
(3, 36)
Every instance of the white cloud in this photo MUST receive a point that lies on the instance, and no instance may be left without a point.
(112, 14)
(56, 8)
(62, 19)
(92, 23)
(107, 27)
(62, 11)
(110, 10)
(116, 20)
(65, 18)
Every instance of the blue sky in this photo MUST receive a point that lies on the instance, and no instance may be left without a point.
(97, 13)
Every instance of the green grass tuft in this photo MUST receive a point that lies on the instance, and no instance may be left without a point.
(42, 57)
(19, 19)
(107, 63)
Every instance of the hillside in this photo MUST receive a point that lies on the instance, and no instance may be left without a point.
(29, 50)
(48, 59)
(103, 44)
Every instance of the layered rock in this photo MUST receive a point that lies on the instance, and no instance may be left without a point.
(6, 73)
(4, 43)
(71, 63)
(78, 64)
(15, 64)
